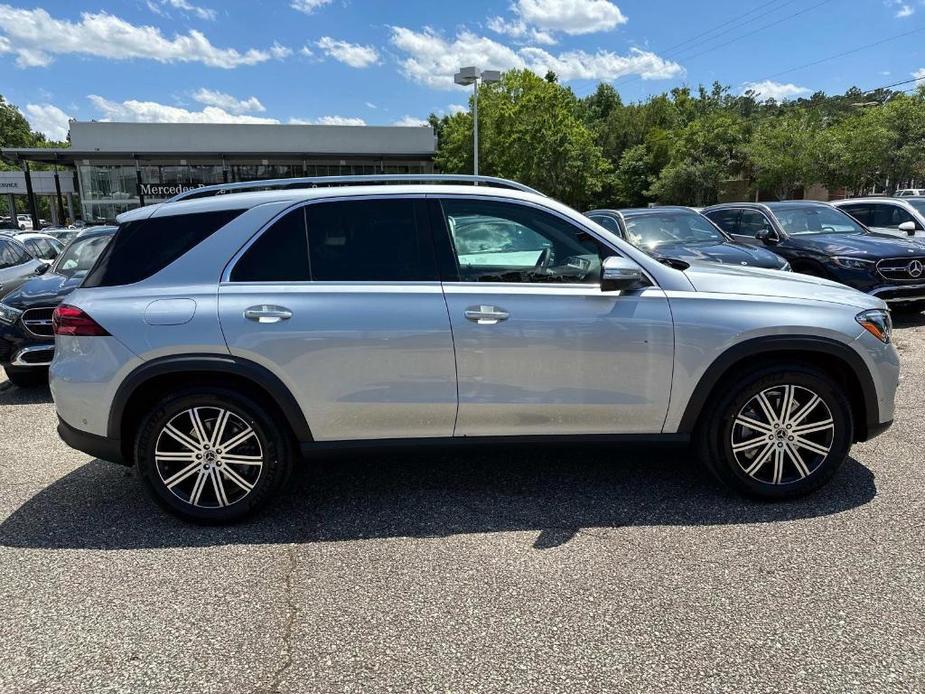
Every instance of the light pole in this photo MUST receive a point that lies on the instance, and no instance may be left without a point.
(465, 77)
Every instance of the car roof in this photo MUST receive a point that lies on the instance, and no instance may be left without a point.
(249, 199)
(91, 232)
(29, 235)
(871, 199)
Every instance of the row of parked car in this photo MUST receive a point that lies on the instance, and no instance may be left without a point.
(875, 245)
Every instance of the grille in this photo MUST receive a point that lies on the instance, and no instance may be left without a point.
(38, 321)
(903, 269)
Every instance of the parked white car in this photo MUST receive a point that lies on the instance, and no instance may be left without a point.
(909, 192)
(41, 246)
(892, 216)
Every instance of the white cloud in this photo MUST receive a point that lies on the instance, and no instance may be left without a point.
(351, 54)
(410, 122)
(432, 59)
(905, 11)
(278, 51)
(308, 6)
(768, 89)
(133, 111)
(328, 120)
(48, 119)
(919, 74)
(517, 29)
(457, 108)
(536, 21)
(231, 104)
(27, 33)
(370, 104)
(189, 8)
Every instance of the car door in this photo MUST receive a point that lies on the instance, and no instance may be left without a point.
(341, 299)
(540, 349)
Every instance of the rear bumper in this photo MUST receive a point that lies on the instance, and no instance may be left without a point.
(100, 447)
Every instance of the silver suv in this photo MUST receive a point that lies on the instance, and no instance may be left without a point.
(221, 335)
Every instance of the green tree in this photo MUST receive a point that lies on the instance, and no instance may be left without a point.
(708, 151)
(530, 130)
(783, 152)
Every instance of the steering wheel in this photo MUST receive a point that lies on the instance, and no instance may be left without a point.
(542, 263)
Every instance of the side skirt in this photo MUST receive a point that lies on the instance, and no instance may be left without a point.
(314, 447)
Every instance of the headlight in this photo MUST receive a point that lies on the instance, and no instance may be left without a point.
(878, 323)
(852, 263)
(8, 314)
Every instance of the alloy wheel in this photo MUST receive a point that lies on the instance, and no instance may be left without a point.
(782, 434)
(208, 457)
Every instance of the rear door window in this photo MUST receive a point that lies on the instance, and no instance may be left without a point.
(279, 255)
(384, 240)
(144, 247)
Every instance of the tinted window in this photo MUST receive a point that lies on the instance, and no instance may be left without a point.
(16, 254)
(279, 255)
(609, 223)
(146, 246)
(6, 255)
(888, 216)
(505, 242)
(859, 212)
(368, 240)
(727, 220)
(751, 222)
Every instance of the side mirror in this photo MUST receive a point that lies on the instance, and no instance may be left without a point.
(619, 273)
(42, 268)
(908, 227)
(768, 236)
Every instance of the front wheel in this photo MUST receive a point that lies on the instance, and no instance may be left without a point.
(211, 456)
(779, 433)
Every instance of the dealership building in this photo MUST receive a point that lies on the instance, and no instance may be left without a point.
(116, 167)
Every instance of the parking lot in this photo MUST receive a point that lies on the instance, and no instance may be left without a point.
(560, 568)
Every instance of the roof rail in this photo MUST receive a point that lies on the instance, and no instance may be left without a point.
(321, 181)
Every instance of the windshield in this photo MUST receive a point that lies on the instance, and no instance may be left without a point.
(814, 219)
(653, 229)
(80, 255)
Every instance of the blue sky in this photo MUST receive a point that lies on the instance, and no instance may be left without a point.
(380, 62)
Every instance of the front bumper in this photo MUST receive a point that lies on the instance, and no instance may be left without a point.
(899, 293)
(100, 447)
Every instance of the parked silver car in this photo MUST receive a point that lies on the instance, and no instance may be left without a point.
(297, 318)
(902, 217)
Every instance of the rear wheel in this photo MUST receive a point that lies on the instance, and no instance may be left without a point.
(29, 377)
(779, 433)
(212, 456)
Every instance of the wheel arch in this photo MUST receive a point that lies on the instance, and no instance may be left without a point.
(833, 357)
(158, 377)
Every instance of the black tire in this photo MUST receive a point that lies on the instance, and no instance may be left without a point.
(269, 442)
(735, 398)
(27, 377)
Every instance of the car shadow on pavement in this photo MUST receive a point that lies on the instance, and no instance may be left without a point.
(908, 320)
(556, 491)
(13, 395)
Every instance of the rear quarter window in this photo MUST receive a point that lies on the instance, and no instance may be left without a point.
(144, 247)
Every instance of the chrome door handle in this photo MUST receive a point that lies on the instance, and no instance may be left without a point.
(267, 314)
(486, 315)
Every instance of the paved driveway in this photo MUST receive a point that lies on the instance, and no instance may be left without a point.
(526, 570)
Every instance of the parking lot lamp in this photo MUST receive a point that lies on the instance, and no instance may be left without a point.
(465, 77)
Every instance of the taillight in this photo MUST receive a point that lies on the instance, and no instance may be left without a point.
(70, 320)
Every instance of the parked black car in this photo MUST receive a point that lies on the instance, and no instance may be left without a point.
(681, 233)
(27, 342)
(819, 239)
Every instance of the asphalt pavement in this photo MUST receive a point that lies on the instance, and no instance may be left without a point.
(532, 569)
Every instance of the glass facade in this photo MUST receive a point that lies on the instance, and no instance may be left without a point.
(109, 189)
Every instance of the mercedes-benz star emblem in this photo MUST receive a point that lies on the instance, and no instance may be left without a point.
(915, 268)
